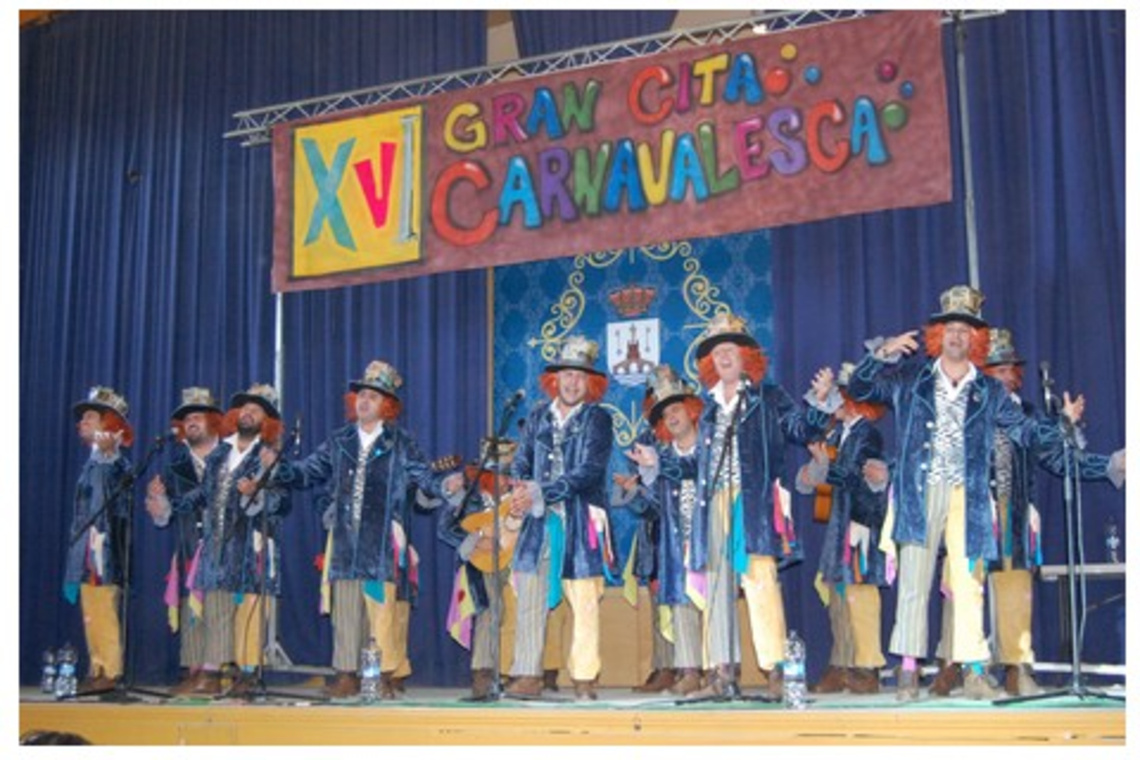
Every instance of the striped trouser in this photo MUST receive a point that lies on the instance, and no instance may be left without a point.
(233, 631)
(100, 607)
(583, 596)
(355, 616)
(686, 636)
(856, 640)
(482, 658)
(192, 637)
(945, 514)
(761, 591)
(662, 658)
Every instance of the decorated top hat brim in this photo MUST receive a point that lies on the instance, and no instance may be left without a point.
(1010, 358)
(957, 316)
(557, 366)
(241, 399)
(658, 409)
(83, 406)
(741, 339)
(187, 409)
(356, 386)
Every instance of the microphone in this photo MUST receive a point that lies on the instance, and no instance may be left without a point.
(297, 437)
(515, 398)
(1046, 386)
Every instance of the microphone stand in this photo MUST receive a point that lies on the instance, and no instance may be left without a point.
(259, 692)
(496, 596)
(732, 691)
(123, 688)
(1074, 551)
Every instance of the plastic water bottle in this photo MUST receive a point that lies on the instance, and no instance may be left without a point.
(795, 672)
(1111, 542)
(65, 680)
(369, 671)
(47, 678)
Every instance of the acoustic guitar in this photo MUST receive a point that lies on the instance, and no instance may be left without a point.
(483, 522)
(821, 511)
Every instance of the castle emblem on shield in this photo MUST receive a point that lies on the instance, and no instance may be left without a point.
(633, 347)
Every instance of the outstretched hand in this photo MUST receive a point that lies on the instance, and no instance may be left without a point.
(822, 383)
(905, 344)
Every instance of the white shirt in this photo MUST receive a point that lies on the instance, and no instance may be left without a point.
(366, 438)
(952, 390)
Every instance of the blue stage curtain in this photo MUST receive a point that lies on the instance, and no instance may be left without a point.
(545, 32)
(1046, 106)
(145, 250)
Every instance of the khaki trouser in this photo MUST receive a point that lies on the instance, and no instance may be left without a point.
(1011, 615)
(100, 608)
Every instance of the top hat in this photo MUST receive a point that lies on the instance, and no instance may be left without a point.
(102, 398)
(664, 388)
(379, 376)
(195, 399)
(262, 394)
(1002, 350)
(577, 352)
(961, 303)
(724, 327)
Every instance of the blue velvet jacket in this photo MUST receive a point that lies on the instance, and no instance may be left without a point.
(230, 558)
(908, 388)
(768, 421)
(660, 505)
(395, 468)
(99, 480)
(586, 449)
(852, 500)
(180, 478)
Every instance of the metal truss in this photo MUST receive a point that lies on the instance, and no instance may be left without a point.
(253, 127)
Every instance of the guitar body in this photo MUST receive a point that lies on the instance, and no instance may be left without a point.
(821, 510)
(483, 522)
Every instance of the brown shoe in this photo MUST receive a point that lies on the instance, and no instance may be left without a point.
(907, 685)
(550, 680)
(388, 687)
(977, 686)
(209, 684)
(863, 680)
(243, 685)
(716, 683)
(584, 690)
(481, 681)
(525, 686)
(399, 685)
(949, 678)
(775, 676)
(344, 685)
(657, 682)
(833, 681)
(1019, 681)
(689, 682)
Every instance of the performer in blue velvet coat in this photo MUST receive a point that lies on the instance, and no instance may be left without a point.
(369, 468)
(561, 499)
(743, 526)
(852, 567)
(239, 552)
(196, 423)
(94, 569)
(946, 413)
(667, 497)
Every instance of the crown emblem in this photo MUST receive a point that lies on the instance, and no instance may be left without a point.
(632, 300)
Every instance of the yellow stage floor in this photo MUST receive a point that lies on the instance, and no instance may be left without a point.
(430, 716)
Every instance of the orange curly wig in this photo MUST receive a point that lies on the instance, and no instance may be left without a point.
(271, 429)
(755, 366)
(213, 426)
(390, 408)
(596, 386)
(979, 342)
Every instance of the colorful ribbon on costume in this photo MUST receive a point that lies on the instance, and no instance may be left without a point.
(556, 535)
(170, 594)
(461, 610)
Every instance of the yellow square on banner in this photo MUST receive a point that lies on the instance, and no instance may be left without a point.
(357, 192)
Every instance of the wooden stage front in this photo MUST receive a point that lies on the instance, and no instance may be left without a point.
(431, 716)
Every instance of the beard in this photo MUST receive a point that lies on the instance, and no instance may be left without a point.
(247, 428)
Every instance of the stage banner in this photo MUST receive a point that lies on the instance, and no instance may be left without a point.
(767, 130)
(643, 306)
